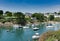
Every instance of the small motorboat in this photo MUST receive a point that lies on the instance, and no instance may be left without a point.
(25, 27)
(49, 25)
(7, 30)
(35, 28)
(33, 25)
(36, 36)
(20, 26)
(17, 26)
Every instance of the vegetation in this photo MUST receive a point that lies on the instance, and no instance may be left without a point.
(58, 13)
(54, 36)
(38, 16)
(50, 36)
(8, 13)
(1, 12)
(21, 18)
(51, 17)
(57, 19)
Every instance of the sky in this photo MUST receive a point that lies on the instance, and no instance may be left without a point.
(31, 6)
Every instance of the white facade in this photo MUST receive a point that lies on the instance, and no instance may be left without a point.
(55, 15)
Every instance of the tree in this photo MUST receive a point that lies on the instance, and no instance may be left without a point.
(20, 18)
(8, 13)
(38, 16)
(51, 17)
(45, 18)
(55, 12)
(1, 12)
(47, 13)
(58, 13)
(19, 14)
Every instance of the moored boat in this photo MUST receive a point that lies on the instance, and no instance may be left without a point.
(49, 25)
(36, 36)
(17, 26)
(35, 28)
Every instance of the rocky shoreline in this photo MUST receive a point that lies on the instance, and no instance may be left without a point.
(8, 24)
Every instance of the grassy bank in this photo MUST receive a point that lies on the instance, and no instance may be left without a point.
(50, 36)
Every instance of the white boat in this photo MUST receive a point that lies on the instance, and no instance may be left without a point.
(20, 26)
(17, 26)
(7, 30)
(33, 25)
(25, 27)
(49, 25)
(36, 36)
(35, 28)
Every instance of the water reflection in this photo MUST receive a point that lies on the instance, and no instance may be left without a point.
(1, 30)
(19, 34)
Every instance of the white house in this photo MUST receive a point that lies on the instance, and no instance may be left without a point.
(55, 15)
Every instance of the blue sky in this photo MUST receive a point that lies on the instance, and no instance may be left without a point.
(30, 5)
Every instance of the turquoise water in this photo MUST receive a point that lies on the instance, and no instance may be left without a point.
(23, 34)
